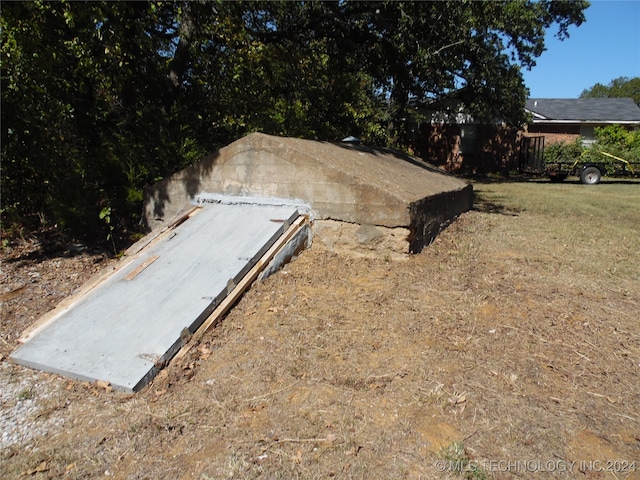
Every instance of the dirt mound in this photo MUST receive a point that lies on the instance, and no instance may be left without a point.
(497, 347)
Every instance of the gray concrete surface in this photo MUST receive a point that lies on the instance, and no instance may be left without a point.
(123, 329)
(345, 182)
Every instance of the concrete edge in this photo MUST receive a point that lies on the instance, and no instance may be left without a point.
(428, 217)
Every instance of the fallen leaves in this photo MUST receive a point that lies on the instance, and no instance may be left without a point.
(104, 385)
(204, 351)
(43, 466)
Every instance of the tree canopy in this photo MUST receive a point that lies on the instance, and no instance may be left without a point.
(100, 99)
(621, 87)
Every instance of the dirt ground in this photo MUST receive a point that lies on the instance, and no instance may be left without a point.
(498, 345)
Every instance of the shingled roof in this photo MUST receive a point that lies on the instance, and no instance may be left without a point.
(584, 110)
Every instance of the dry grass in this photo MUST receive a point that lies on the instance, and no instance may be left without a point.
(512, 338)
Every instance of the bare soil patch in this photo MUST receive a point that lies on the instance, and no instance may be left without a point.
(509, 335)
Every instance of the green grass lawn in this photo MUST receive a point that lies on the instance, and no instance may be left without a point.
(600, 222)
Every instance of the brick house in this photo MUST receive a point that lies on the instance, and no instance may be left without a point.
(456, 142)
(452, 139)
(565, 119)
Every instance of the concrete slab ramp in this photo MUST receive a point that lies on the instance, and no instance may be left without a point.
(345, 182)
(125, 326)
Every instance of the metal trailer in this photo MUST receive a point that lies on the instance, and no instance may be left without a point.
(591, 172)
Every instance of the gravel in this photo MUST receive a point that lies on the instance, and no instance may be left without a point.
(24, 396)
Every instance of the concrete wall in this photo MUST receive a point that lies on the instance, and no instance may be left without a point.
(350, 183)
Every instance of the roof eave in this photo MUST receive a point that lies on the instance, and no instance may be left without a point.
(535, 114)
(592, 122)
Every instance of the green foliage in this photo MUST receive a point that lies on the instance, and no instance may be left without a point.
(83, 120)
(105, 215)
(563, 152)
(618, 141)
(25, 394)
(622, 87)
(100, 99)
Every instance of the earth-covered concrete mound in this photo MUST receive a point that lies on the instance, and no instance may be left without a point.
(340, 181)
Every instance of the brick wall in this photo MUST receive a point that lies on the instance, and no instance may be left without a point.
(495, 148)
(554, 133)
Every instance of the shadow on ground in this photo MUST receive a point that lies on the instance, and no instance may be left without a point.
(482, 203)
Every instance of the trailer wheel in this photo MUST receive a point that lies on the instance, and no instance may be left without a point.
(590, 176)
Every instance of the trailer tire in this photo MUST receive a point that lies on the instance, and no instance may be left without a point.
(591, 175)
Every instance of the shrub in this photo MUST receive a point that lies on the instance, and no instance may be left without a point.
(563, 152)
(619, 141)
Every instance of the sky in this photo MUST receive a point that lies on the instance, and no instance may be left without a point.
(605, 47)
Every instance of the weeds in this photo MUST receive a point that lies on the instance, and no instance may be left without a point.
(105, 215)
(458, 461)
(25, 394)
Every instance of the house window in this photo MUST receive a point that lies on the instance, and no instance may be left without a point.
(468, 134)
(587, 132)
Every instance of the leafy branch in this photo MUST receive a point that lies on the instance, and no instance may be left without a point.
(105, 216)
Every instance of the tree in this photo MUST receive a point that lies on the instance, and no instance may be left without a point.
(83, 125)
(100, 99)
(621, 87)
(401, 51)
